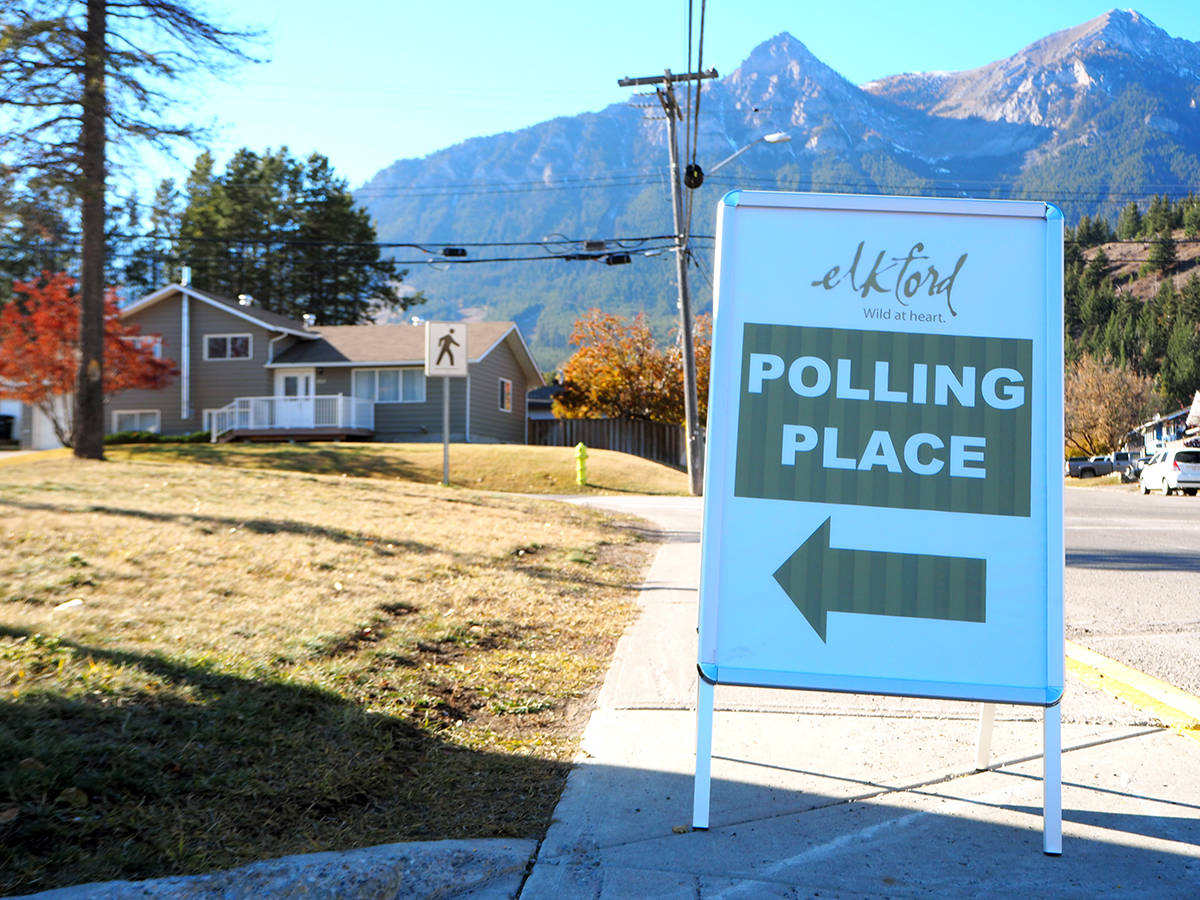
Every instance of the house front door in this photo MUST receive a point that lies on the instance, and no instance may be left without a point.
(294, 404)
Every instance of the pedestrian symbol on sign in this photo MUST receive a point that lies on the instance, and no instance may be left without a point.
(445, 342)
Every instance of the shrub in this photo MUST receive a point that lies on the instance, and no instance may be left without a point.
(151, 437)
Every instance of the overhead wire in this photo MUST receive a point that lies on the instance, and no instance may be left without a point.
(692, 122)
(688, 150)
(571, 249)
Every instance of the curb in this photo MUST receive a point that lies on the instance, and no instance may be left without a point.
(1176, 709)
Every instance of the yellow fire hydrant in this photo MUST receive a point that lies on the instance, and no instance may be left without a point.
(580, 463)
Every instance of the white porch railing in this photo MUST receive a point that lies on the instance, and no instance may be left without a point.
(290, 413)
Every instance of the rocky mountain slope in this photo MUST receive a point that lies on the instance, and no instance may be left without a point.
(1088, 118)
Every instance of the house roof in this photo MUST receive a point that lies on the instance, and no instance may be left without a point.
(269, 320)
(353, 345)
(392, 345)
(1158, 420)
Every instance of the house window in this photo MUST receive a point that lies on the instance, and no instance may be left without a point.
(227, 346)
(137, 420)
(390, 385)
(505, 395)
(151, 342)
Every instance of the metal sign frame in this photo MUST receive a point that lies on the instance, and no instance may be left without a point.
(883, 497)
(442, 340)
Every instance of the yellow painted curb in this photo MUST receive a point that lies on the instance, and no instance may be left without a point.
(34, 456)
(1176, 709)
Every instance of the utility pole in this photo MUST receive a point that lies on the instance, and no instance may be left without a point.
(665, 88)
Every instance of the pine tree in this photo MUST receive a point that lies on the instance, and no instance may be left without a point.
(1158, 217)
(1162, 253)
(1189, 215)
(34, 226)
(1179, 376)
(1129, 222)
(1095, 272)
(288, 233)
(75, 77)
(1189, 300)
(1152, 334)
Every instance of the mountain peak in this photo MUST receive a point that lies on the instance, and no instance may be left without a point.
(1121, 29)
(1125, 23)
(1044, 84)
(785, 58)
(777, 53)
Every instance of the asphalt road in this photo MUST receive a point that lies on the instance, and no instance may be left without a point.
(1133, 579)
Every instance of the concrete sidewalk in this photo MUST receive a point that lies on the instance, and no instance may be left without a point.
(852, 796)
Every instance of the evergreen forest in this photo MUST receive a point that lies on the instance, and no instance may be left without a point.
(1132, 293)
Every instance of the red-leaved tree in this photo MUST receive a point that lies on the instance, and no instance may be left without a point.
(39, 350)
(619, 370)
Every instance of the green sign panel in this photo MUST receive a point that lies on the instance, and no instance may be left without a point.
(889, 419)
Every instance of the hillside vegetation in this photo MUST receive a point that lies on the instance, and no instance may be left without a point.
(1132, 294)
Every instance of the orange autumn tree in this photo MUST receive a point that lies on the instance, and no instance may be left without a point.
(620, 371)
(39, 350)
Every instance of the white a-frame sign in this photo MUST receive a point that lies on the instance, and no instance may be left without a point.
(883, 494)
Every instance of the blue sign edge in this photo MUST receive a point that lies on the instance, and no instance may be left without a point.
(1050, 694)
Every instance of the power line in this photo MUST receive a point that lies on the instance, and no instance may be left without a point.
(521, 187)
(624, 242)
(1009, 190)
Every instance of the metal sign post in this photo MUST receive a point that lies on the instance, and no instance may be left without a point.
(883, 497)
(446, 355)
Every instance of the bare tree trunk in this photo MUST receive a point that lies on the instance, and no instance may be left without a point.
(89, 395)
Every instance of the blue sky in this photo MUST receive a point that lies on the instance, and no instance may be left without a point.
(367, 82)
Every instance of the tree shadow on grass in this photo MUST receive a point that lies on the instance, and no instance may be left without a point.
(312, 459)
(201, 770)
(379, 544)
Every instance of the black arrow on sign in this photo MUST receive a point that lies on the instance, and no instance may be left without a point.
(820, 579)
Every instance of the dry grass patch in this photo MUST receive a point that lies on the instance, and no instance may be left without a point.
(201, 667)
(493, 467)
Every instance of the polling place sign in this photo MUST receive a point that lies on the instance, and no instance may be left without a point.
(883, 496)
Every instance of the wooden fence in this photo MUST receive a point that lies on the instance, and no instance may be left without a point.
(650, 440)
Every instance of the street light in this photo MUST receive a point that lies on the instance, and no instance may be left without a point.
(775, 137)
(692, 178)
(693, 175)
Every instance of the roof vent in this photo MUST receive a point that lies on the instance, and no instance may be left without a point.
(309, 320)
(245, 300)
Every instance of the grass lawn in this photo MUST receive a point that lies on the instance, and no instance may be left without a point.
(206, 665)
(494, 467)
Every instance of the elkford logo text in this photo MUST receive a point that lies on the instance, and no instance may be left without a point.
(904, 277)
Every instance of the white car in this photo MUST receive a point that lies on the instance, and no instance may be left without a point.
(1169, 471)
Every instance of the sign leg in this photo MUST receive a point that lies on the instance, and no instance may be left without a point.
(704, 727)
(1052, 782)
(983, 741)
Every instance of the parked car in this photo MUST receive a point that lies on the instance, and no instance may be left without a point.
(1134, 472)
(1088, 467)
(1122, 460)
(1172, 470)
